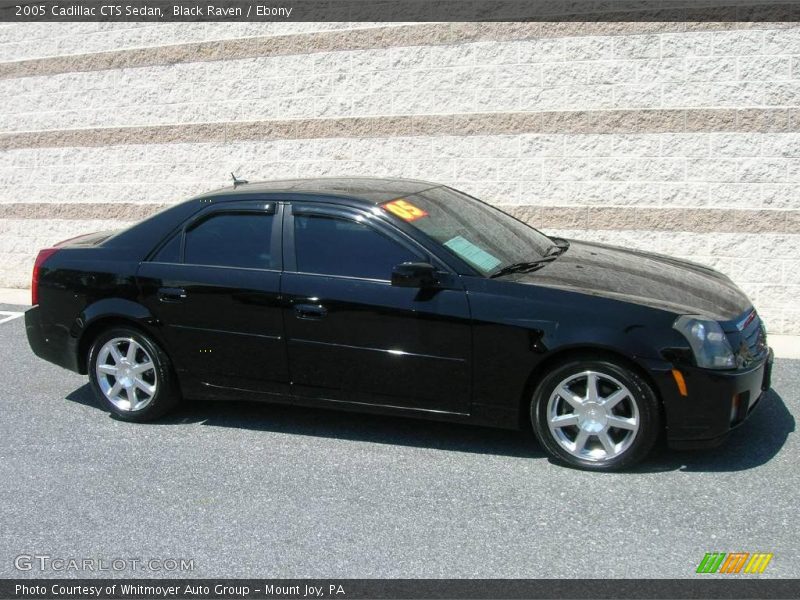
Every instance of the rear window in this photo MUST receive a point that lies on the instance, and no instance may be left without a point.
(171, 251)
(240, 240)
(230, 240)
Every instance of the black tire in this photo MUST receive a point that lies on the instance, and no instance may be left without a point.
(631, 450)
(167, 394)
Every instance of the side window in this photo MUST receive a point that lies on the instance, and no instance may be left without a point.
(230, 240)
(171, 251)
(334, 246)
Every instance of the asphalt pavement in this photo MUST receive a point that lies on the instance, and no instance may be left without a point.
(257, 490)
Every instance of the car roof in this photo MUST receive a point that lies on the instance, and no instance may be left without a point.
(373, 190)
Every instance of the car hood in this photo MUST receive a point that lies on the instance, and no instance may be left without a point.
(642, 278)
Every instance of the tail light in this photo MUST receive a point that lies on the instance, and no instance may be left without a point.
(37, 266)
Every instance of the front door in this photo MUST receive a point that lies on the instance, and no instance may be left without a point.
(215, 288)
(352, 336)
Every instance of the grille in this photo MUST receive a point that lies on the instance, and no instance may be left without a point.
(754, 336)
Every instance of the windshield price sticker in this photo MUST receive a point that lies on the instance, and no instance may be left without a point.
(473, 254)
(405, 210)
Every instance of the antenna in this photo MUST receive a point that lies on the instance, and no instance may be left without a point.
(237, 181)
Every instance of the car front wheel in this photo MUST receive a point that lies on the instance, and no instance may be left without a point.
(131, 375)
(595, 414)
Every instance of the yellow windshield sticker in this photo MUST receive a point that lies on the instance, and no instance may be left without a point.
(405, 210)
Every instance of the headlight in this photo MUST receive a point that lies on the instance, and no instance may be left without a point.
(709, 343)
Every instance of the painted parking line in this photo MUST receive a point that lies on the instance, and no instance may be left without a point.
(6, 316)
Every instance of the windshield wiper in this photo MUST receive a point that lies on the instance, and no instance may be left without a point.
(524, 267)
(560, 245)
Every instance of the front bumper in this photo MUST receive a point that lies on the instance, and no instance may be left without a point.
(717, 402)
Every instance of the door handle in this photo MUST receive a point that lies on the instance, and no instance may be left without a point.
(170, 294)
(310, 311)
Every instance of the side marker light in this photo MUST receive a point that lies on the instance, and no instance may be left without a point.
(680, 382)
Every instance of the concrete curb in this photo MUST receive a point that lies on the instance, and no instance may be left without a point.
(784, 346)
(15, 296)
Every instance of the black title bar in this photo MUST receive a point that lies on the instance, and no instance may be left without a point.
(400, 10)
(392, 589)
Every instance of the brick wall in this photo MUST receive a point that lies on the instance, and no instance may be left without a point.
(675, 138)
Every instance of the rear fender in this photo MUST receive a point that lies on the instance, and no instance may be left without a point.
(109, 311)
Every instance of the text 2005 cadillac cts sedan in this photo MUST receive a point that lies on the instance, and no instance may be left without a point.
(407, 298)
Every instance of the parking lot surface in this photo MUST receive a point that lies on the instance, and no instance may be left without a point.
(257, 490)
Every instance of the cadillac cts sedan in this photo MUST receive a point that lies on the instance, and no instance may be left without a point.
(406, 298)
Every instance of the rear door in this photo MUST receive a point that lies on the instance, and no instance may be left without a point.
(214, 286)
(352, 336)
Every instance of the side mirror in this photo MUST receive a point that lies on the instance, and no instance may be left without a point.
(414, 274)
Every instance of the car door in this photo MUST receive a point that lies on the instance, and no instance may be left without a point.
(215, 289)
(351, 335)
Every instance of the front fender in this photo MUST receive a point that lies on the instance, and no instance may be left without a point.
(638, 343)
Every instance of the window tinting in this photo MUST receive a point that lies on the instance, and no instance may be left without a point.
(231, 240)
(171, 251)
(332, 246)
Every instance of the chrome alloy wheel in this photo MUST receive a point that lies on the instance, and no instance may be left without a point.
(593, 416)
(126, 374)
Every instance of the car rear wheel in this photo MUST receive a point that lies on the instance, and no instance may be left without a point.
(131, 375)
(595, 414)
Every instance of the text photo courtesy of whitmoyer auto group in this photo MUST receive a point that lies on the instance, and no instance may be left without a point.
(399, 299)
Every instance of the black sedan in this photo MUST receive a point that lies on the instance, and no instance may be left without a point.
(407, 298)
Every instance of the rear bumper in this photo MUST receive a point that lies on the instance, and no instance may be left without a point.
(717, 402)
(50, 343)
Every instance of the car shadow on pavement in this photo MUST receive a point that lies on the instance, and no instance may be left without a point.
(753, 444)
(336, 424)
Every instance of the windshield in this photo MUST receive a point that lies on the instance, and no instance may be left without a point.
(484, 237)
